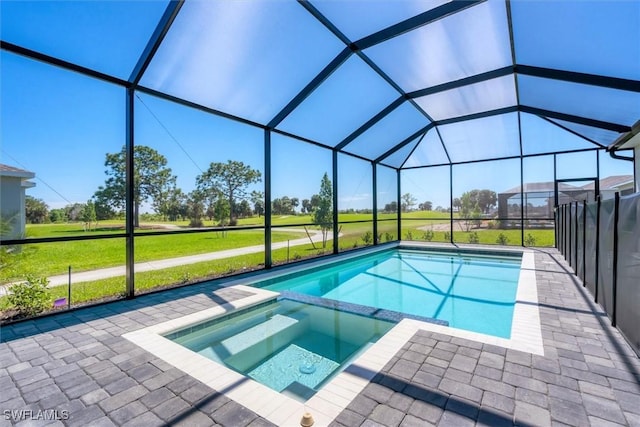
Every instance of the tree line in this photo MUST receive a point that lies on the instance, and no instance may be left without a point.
(220, 194)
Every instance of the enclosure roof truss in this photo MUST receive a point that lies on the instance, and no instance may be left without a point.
(371, 79)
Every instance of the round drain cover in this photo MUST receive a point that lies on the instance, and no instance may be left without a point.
(307, 369)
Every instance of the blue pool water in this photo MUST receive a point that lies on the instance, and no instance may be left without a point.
(472, 292)
(291, 347)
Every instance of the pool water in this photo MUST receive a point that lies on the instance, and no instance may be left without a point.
(291, 347)
(470, 291)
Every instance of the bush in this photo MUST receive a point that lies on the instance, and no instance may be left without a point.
(491, 225)
(30, 297)
(408, 235)
(529, 240)
(502, 239)
(388, 236)
(367, 238)
(428, 235)
(473, 237)
(196, 222)
(447, 236)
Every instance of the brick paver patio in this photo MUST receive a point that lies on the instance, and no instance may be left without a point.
(78, 364)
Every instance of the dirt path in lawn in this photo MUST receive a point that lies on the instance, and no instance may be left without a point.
(442, 227)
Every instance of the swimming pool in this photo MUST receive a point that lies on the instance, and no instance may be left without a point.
(471, 291)
(291, 347)
(341, 387)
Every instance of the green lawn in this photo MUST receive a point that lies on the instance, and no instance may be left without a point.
(46, 259)
(541, 237)
(73, 229)
(54, 258)
(115, 286)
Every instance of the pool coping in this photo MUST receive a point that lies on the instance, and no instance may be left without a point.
(338, 393)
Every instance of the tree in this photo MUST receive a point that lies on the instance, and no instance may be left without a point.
(456, 203)
(426, 206)
(229, 180)
(168, 202)
(314, 202)
(467, 206)
(484, 199)
(195, 208)
(391, 207)
(36, 210)
(88, 215)
(295, 202)
(323, 213)
(101, 201)
(174, 207)
(243, 209)
(257, 198)
(151, 178)
(306, 206)
(74, 211)
(281, 206)
(408, 201)
(221, 211)
(57, 215)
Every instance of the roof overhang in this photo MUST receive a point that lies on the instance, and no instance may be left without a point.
(630, 139)
(17, 174)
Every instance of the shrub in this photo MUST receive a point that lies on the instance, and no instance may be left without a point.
(529, 240)
(196, 222)
(408, 235)
(502, 239)
(30, 297)
(491, 225)
(447, 236)
(428, 235)
(367, 238)
(388, 236)
(473, 237)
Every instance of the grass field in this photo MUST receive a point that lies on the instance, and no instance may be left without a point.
(144, 281)
(46, 259)
(54, 258)
(540, 237)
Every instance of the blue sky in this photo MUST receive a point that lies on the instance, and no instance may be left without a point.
(60, 124)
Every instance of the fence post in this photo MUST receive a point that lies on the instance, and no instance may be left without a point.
(598, 203)
(616, 214)
(566, 232)
(556, 217)
(69, 290)
(561, 230)
(584, 243)
(569, 251)
(575, 238)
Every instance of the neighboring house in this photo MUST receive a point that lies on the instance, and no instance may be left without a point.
(538, 199)
(538, 196)
(610, 185)
(13, 184)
